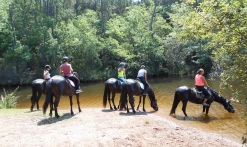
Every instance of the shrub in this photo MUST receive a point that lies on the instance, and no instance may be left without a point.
(9, 100)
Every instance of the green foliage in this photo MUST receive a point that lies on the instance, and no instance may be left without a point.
(9, 100)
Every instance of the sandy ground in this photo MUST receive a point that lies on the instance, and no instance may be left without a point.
(95, 127)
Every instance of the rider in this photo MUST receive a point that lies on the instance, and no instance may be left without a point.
(142, 75)
(121, 72)
(66, 70)
(200, 82)
(46, 74)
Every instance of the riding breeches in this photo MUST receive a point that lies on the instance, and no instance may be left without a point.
(204, 91)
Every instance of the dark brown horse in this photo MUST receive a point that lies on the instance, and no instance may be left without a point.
(132, 87)
(186, 94)
(58, 86)
(38, 88)
(112, 86)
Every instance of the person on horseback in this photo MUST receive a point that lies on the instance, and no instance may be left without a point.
(46, 74)
(142, 75)
(66, 70)
(200, 82)
(121, 72)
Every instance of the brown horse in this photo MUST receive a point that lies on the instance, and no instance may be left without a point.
(38, 88)
(186, 94)
(58, 86)
(132, 87)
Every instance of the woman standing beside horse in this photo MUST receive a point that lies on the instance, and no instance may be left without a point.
(200, 82)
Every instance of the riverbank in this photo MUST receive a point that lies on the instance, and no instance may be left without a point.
(101, 127)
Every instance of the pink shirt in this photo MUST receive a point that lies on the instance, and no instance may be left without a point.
(66, 69)
(198, 80)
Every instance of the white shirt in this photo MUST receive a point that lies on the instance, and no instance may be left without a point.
(47, 76)
(141, 73)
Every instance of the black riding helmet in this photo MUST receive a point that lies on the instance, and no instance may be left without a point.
(143, 67)
(47, 66)
(121, 64)
(65, 59)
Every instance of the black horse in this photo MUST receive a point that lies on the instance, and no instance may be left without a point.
(186, 94)
(38, 88)
(132, 87)
(113, 86)
(56, 87)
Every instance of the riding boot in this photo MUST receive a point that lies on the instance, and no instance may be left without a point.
(78, 90)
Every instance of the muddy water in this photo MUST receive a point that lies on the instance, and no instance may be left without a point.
(218, 120)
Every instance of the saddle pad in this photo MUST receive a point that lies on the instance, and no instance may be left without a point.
(71, 82)
(141, 85)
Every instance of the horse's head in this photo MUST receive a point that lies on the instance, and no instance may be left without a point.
(153, 100)
(229, 107)
(225, 102)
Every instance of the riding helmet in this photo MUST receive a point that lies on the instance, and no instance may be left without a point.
(121, 64)
(143, 67)
(47, 66)
(65, 59)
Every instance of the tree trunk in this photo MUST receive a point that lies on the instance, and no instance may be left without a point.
(103, 19)
(152, 17)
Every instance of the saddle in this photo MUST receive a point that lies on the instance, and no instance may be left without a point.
(69, 81)
(140, 83)
(199, 94)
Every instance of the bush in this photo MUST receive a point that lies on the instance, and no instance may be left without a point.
(9, 100)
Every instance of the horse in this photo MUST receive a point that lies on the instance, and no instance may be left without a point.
(57, 86)
(113, 86)
(186, 94)
(132, 87)
(38, 87)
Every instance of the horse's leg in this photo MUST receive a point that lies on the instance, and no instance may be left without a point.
(144, 103)
(32, 103)
(112, 99)
(207, 109)
(203, 109)
(51, 106)
(127, 106)
(140, 100)
(184, 107)
(109, 100)
(78, 102)
(132, 103)
(37, 99)
(57, 99)
(71, 105)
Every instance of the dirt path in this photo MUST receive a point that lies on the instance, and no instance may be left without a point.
(95, 127)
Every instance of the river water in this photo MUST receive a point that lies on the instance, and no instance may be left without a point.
(218, 120)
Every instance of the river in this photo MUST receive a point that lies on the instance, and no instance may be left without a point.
(218, 120)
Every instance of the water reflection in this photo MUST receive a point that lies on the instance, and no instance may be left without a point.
(218, 119)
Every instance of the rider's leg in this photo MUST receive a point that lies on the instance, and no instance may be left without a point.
(77, 83)
(146, 86)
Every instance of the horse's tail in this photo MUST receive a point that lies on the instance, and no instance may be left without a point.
(123, 97)
(105, 95)
(48, 96)
(175, 102)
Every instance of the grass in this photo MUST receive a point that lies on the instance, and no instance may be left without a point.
(9, 100)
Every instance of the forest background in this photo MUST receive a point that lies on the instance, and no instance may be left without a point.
(170, 37)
